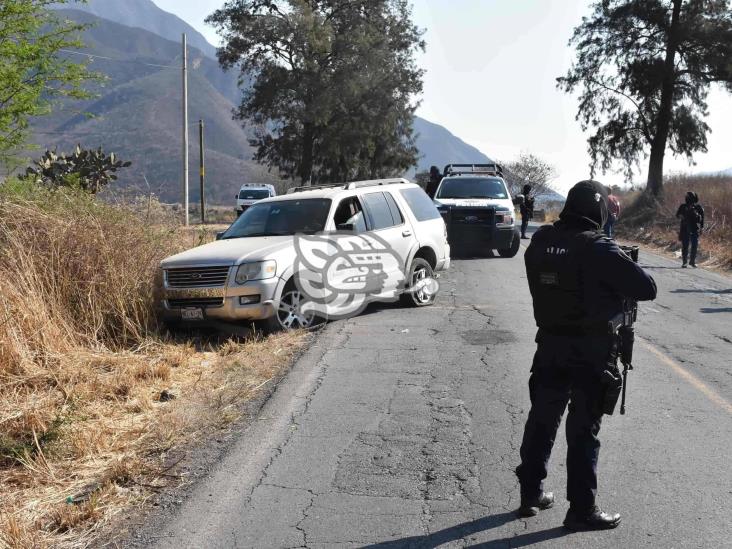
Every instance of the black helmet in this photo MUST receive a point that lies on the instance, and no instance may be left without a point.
(527, 189)
(586, 202)
(692, 197)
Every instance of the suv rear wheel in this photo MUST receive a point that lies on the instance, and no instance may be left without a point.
(414, 296)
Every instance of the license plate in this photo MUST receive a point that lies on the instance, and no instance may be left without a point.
(192, 314)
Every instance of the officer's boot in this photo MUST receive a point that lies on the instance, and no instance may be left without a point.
(531, 506)
(592, 519)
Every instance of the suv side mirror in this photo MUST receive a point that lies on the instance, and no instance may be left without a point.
(219, 235)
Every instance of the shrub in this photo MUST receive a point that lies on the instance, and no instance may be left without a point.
(86, 169)
(654, 221)
(78, 273)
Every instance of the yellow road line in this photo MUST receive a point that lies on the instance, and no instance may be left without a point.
(697, 383)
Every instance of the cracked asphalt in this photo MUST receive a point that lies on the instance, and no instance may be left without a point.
(401, 428)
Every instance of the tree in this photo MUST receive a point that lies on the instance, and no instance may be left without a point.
(529, 169)
(33, 72)
(644, 68)
(90, 170)
(334, 82)
(422, 178)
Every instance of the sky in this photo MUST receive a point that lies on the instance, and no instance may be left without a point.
(491, 67)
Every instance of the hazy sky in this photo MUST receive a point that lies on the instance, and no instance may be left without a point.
(491, 68)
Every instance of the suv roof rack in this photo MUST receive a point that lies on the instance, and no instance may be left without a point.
(375, 183)
(459, 169)
(315, 187)
(349, 186)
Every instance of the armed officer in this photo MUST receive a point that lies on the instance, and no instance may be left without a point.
(578, 279)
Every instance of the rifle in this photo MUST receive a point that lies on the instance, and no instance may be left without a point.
(623, 327)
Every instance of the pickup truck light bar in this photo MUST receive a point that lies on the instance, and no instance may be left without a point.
(461, 169)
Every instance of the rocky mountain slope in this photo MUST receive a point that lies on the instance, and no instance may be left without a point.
(137, 110)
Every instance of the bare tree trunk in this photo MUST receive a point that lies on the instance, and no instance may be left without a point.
(306, 164)
(665, 112)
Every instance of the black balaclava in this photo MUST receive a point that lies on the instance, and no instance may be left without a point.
(690, 196)
(587, 204)
(527, 189)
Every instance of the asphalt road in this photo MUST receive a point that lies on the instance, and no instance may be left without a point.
(400, 428)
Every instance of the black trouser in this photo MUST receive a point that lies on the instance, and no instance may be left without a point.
(566, 370)
(524, 225)
(687, 239)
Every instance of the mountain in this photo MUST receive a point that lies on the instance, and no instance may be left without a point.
(146, 15)
(439, 147)
(137, 112)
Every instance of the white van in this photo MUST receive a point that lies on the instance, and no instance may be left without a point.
(251, 193)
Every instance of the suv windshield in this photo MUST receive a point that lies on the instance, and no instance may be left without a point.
(253, 194)
(281, 218)
(466, 187)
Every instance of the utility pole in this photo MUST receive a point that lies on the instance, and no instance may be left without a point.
(202, 171)
(185, 128)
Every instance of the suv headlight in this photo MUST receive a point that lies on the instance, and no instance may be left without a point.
(259, 270)
(504, 218)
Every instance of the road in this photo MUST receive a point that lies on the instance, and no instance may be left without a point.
(401, 428)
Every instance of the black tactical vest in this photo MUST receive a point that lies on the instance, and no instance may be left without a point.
(555, 267)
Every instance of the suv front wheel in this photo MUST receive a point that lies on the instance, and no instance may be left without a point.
(515, 245)
(289, 315)
(416, 294)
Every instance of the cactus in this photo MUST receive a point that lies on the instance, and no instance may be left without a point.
(90, 169)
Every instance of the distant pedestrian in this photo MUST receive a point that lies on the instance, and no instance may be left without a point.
(691, 215)
(434, 182)
(613, 210)
(527, 209)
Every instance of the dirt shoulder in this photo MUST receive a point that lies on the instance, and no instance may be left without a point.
(189, 463)
(139, 426)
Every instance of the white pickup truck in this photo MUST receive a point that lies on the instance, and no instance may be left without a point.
(478, 210)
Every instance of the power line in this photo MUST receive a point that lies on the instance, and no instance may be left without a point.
(93, 56)
(82, 133)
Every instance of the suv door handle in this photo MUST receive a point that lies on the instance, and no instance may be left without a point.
(406, 233)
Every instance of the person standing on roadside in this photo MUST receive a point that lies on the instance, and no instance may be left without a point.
(434, 182)
(613, 210)
(578, 280)
(691, 214)
(527, 209)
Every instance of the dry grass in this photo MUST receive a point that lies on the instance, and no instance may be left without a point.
(656, 225)
(85, 426)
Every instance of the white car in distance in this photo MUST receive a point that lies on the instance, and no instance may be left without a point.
(351, 237)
